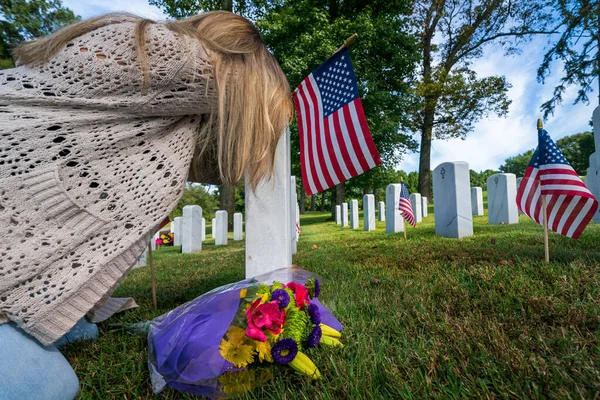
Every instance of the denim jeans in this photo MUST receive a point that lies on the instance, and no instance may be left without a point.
(30, 371)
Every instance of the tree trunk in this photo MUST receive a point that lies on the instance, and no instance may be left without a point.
(312, 202)
(340, 193)
(425, 155)
(227, 202)
(365, 191)
(302, 199)
(323, 201)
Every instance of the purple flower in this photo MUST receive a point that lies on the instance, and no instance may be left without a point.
(314, 313)
(284, 351)
(314, 337)
(282, 297)
(317, 288)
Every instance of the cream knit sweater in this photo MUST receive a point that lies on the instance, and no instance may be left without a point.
(90, 166)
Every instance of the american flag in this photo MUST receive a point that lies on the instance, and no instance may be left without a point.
(569, 203)
(335, 141)
(405, 207)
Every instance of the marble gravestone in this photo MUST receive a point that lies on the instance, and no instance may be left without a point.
(519, 184)
(354, 214)
(476, 201)
(592, 178)
(393, 220)
(381, 211)
(237, 226)
(338, 214)
(369, 212)
(177, 231)
(153, 240)
(502, 199)
(221, 217)
(191, 238)
(424, 206)
(415, 202)
(344, 214)
(213, 229)
(203, 229)
(141, 262)
(452, 200)
(294, 214)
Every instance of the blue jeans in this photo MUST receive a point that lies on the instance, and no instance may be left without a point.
(30, 371)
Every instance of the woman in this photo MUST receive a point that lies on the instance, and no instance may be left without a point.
(101, 124)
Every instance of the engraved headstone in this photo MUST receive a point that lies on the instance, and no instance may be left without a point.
(424, 206)
(177, 231)
(354, 214)
(381, 211)
(191, 239)
(369, 212)
(338, 214)
(221, 217)
(344, 214)
(237, 226)
(393, 220)
(502, 199)
(452, 200)
(415, 202)
(476, 201)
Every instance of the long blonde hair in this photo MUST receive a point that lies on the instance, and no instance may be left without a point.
(254, 103)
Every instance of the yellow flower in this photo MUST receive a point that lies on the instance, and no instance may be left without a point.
(243, 293)
(236, 334)
(239, 355)
(264, 351)
(265, 297)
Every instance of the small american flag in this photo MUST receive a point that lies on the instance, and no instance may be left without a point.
(569, 203)
(335, 141)
(405, 207)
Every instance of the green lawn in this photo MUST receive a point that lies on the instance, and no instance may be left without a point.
(479, 317)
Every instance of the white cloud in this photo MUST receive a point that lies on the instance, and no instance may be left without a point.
(92, 8)
(495, 139)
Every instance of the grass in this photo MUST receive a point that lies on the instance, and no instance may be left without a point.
(426, 317)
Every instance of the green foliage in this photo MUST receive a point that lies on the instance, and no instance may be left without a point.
(576, 48)
(6, 63)
(577, 149)
(22, 20)
(197, 195)
(480, 178)
(517, 164)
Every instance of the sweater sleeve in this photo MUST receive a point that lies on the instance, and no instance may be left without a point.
(101, 70)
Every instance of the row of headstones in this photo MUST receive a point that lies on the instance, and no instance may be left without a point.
(389, 208)
(455, 203)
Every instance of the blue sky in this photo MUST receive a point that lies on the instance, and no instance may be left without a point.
(493, 139)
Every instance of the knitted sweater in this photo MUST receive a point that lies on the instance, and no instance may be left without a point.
(90, 166)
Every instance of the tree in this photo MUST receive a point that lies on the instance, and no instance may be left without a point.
(480, 178)
(517, 164)
(578, 47)
(577, 149)
(452, 34)
(22, 20)
(197, 195)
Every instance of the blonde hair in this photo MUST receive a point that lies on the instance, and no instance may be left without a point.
(254, 103)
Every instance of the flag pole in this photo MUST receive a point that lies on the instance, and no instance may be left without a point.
(540, 126)
(347, 43)
(152, 281)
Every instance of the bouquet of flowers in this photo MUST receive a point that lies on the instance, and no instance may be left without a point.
(165, 239)
(217, 339)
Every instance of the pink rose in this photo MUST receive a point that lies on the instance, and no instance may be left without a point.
(300, 293)
(261, 317)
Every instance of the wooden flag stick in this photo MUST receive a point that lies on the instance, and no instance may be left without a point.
(405, 227)
(540, 125)
(347, 43)
(152, 281)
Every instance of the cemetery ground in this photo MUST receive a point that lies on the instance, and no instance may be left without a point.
(426, 317)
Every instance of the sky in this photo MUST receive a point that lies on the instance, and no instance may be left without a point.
(493, 139)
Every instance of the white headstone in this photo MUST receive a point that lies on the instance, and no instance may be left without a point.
(296, 229)
(476, 201)
(338, 214)
(141, 262)
(369, 212)
(153, 240)
(424, 206)
(518, 184)
(415, 202)
(502, 199)
(203, 229)
(269, 217)
(381, 211)
(191, 227)
(452, 200)
(221, 217)
(354, 214)
(177, 231)
(213, 229)
(344, 214)
(294, 212)
(592, 178)
(393, 220)
(237, 226)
